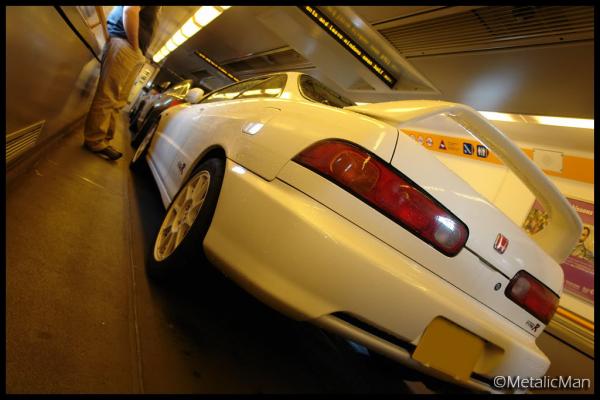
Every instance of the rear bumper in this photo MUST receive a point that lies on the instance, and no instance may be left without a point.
(305, 260)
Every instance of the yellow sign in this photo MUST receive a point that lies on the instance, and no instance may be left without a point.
(575, 168)
(354, 49)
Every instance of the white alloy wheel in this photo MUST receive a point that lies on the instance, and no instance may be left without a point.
(181, 215)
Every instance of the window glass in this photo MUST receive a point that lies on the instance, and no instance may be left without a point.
(315, 90)
(272, 87)
(232, 91)
(179, 90)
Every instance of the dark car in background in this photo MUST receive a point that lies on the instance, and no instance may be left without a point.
(148, 93)
(150, 114)
(147, 114)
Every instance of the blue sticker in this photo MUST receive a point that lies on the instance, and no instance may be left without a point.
(468, 148)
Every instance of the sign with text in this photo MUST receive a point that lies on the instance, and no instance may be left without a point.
(350, 45)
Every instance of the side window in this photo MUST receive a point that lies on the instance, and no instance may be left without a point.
(183, 91)
(315, 90)
(179, 90)
(232, 91)
(272, 87)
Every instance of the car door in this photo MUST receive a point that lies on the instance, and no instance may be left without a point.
(195, 125)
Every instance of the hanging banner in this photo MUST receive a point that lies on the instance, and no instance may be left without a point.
(579, 266)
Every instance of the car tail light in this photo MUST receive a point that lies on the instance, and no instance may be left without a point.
(533, 296)
(378, 184)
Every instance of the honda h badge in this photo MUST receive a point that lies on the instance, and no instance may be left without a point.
(501, 243)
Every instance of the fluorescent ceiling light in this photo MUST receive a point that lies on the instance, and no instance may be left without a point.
(158, 56)
(495, 116)
(206, 14)
(538, 119)
(190, 28)
(170, 45)
(203, 16)
(568, 122)
(178, 38)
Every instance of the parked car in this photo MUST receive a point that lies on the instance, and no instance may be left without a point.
(173, 96)
(325, 211)
(153, 115)
(147, 93)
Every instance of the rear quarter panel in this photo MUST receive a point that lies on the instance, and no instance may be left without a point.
(289, 127)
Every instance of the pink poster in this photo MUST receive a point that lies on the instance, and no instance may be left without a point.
(579, 266)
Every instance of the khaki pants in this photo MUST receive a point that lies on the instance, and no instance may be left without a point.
(120, 66)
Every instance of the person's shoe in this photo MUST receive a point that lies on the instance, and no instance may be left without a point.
(108, 153)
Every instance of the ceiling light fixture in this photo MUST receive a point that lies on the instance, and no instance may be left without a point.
(541, 120)
(496, 116)
(204, 16)
(568, 122)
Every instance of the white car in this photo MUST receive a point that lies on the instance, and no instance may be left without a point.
(327, 212)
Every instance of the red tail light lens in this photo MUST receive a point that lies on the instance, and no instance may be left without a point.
(390, 192)
(533, 296)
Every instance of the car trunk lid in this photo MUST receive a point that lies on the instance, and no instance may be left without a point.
(493, 237)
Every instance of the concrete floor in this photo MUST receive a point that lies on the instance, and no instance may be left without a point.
(82, 317)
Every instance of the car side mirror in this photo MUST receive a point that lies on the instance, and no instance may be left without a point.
(194, 95)
(164, 85)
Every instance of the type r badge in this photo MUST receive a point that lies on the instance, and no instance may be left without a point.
(180, 166)
(501, 243)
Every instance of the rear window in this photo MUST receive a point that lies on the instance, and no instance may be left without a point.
(232, 91)
(179, 90)
(314, 90)
(272, 87)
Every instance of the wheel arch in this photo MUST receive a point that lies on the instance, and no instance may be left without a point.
(214, 151)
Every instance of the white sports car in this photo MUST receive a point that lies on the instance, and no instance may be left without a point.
(327, 212)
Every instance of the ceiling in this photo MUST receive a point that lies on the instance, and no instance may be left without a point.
(517, 59)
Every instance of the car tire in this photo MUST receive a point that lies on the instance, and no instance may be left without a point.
(133, 116)
(191, 213)
(138, 161)
(138, 137)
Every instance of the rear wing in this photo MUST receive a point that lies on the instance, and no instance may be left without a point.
(563, 230)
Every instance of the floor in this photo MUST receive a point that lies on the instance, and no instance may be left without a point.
(82, 317)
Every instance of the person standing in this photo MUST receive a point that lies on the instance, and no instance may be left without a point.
(130, 31)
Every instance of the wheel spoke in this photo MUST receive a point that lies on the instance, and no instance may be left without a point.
(181, 233)
(169, 246)
(192, 214)
(165, 244)
(201, 192)
(170, 218)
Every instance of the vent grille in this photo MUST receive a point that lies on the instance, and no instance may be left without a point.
(22, 140)
(493, 27)
(271, 61)
(201, 74)
(285, 60)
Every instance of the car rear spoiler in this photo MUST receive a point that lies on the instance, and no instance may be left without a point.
(563, 230)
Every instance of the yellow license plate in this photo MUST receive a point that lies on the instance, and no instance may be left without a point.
(449, 348)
